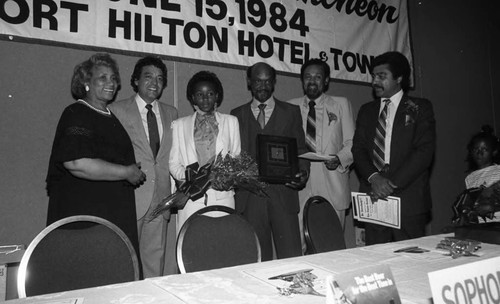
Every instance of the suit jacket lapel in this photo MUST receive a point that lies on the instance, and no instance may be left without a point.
(166, 120)
(398, 131)
(219, 142)
(136, 121)
(189, 137)
(326, 128)
(275, 116)
(399, 119)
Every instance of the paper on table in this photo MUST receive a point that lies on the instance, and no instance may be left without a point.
(265, 273)
(382, 212)
(315, 156)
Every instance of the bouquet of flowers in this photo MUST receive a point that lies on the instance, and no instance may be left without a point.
(231, 172)
(224, 173)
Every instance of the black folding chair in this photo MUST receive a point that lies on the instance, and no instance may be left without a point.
(322, 229)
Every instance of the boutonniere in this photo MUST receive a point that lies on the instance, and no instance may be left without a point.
(411, 112)
(331, 117)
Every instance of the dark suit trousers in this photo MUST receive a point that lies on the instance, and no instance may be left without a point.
(411, 227)
(272, 222)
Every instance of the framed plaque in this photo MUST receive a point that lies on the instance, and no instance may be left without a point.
(277, 158)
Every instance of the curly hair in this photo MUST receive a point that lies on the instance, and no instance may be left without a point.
(320, 63)
(83, 73)
(208, 77)
(147, 61)
(398, 65)
(486, 134)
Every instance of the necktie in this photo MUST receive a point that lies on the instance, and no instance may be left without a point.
(262, 116)
(154, 135)
(311, 127)
(379, 141)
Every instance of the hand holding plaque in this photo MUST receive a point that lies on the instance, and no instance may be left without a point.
(300, 180)
(277, 159)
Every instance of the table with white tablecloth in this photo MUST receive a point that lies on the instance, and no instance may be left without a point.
(240, 284)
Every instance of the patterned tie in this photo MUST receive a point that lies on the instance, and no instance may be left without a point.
(154, 135)
(379, 147)
(262, 116)
(311, 127)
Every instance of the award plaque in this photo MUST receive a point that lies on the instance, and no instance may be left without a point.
(277, 158)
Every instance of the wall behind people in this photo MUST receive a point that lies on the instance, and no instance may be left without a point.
(457, 68)
(35, 88)
(457, 60)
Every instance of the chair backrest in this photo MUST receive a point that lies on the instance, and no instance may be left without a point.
(76, 252)
(207, 242)
(322, 229)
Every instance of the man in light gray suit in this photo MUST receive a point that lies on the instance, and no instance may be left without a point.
(151, 137)
(334, 130)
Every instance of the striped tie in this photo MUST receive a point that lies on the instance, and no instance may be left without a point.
(311, 127)
(379, 147)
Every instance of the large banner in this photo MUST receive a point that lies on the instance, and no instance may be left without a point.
(345, 33)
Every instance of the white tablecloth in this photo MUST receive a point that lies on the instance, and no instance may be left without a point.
(237, 285)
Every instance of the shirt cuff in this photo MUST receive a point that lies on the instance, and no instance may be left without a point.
(369, 177)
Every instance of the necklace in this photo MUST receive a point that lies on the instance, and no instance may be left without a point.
(107, 112)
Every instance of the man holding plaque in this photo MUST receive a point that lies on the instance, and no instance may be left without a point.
(329, 125)
(393, 148)
(274, 217)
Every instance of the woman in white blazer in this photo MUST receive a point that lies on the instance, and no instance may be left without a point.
(199, 137)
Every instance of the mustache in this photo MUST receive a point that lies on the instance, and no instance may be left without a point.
(263, 91)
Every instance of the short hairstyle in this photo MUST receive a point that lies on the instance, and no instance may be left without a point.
(250, 69)
(208, 77)
(83, 73)
(318, 62)
(486, 134)
(315, 61)
(147, 61)
(398, 65)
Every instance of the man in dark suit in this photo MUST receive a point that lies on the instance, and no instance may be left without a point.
(148, 80)
(273, 217)
(393, 148)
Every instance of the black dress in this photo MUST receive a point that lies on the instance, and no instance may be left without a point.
(84, 133)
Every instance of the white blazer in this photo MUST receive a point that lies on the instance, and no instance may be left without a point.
(183, 151)
(337, 133)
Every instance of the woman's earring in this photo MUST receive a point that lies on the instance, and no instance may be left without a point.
(87, 88)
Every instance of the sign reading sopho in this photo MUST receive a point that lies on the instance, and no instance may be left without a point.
(477, 282)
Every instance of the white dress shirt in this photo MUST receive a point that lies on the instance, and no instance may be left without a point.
(391, 113)
(320, 102)
(268, 110)
(141, 104)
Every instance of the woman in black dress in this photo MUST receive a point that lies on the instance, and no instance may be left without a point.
(92, 169)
